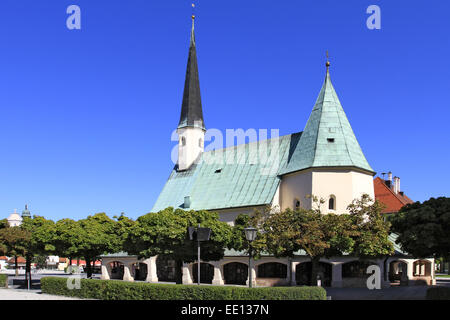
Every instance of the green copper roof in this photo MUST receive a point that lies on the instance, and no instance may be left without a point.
(26, 212)
(328, 139)
(232, 177)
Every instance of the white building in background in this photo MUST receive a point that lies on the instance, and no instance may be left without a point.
(14, 219)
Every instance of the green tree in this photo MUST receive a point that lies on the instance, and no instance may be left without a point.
(372, 236)
(123, 227)
(98, 235)
(42, 233)
(15, 242)
(164, 233)
(423, 228)
(68, 239)
(317, 234)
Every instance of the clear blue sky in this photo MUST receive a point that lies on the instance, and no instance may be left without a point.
(86, 116)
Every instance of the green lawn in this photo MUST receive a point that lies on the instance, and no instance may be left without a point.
(442, 276)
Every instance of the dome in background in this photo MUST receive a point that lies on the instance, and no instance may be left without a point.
(26, 213)
(14, 219)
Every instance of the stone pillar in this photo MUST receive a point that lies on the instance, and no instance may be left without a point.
(422, 269)
(336, 280)
(105, 272)
(187, 278)
(433, 272)
(293, 273)
(385, 283)
(126, 273)
(218, 279)
(410, 269)
(152, 275)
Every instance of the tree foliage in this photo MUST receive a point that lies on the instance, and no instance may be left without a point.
(372, 229)
(98, 235)
(423, 228)
(165, 233)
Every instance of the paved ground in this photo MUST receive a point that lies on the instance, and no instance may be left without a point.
(392, 293)
(15, 294)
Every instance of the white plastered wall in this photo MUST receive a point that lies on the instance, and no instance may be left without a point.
(192, 148)
(230, 215)
(296, 186)
(344, 184)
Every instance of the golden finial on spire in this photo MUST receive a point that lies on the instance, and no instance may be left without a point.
(193, 10)
(328, 62)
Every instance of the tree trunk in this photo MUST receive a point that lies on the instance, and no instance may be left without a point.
(314, 271)
(448, 265)
(78, 262)
(16, 266)
(179, 271)
(88, 267)
(28, 270)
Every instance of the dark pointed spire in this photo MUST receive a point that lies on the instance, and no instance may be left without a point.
(191, 108)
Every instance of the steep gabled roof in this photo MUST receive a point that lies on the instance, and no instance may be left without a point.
(328, 139)
(191, 108)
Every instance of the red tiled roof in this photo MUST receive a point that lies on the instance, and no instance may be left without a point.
(4, 258)
(19, 260)
(83, 263)
(393, 201)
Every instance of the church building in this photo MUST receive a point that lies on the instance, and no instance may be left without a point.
(324, 160)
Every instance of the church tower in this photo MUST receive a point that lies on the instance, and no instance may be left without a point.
(327, 161)
(191, 128)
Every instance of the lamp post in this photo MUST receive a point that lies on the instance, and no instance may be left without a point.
(199, 234)
(250, 235)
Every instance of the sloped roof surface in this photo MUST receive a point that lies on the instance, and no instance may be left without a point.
(393, 201)
(328, 139)
(239, 176)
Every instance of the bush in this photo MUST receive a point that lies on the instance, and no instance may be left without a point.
(438, 293)
(120, 290)
(3, 281)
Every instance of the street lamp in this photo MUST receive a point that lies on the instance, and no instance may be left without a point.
(199, 234)
(250, 235)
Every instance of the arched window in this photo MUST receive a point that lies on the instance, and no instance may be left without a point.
(332, 203)
(183, 141)
(200, 143)
(296, 204)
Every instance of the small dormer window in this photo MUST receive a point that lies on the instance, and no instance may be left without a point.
(218, 170)
(330, 140)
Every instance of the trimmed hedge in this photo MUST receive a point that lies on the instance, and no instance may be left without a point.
(121, 290)
(438, 293)
(3, 281)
